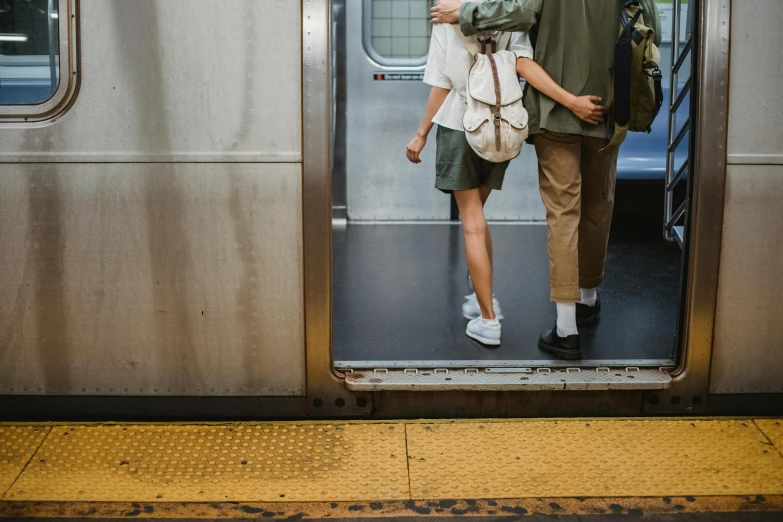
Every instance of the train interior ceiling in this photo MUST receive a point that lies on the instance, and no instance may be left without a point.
(399, 270)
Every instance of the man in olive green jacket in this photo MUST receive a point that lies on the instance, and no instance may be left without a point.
(575, 42)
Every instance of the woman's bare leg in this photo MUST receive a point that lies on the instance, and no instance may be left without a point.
(474, 227)
(484, 192)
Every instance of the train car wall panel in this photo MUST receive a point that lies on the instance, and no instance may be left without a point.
(748, 329)
(151, 279)
(756, 96)
(178, 80)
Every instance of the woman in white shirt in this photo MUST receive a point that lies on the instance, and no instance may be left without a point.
(459, 170)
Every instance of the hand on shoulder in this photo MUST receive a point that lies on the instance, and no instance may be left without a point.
(446, 12)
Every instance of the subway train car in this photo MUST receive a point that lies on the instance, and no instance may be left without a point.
(205, 212)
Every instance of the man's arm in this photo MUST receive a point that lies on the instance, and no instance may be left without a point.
(502, 15)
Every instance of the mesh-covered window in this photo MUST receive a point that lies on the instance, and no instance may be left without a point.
(400, 29)
(29, 51)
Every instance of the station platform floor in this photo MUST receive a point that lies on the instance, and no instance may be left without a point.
(583, 468)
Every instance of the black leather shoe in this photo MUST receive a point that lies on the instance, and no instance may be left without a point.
(588, 315)
(569, 348)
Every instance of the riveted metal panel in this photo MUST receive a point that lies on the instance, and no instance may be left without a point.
(746, 355)
(709, 115)
(286, 463)
(151, 279)
(17, 446)
(591, 459)
(178, 80)
(326, 391)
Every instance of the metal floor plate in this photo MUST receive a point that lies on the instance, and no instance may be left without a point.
(17, 446)
(218, 464)
(591, 459)
(520, 379)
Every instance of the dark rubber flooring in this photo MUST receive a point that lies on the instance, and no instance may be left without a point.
(398, 292)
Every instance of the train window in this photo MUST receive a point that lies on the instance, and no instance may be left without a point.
(397, 32)
(35, 57)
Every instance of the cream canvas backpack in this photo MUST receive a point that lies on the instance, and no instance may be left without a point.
(495, 121)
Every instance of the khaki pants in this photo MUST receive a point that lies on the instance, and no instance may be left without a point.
(577, 186)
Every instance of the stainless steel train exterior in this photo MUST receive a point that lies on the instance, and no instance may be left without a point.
(165, 221)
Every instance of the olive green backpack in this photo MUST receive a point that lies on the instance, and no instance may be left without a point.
(638, 92)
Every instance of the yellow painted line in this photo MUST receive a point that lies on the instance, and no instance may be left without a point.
(773, 429)
(394, 509)
(218, 464)
(592, 459)
(17, 445)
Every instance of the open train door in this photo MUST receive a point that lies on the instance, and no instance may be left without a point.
(679, 143)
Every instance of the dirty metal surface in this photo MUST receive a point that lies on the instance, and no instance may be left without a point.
(591, 459)
(494, 379)
(773, 429)
(396, 509)
(17, 446)
(283, 463)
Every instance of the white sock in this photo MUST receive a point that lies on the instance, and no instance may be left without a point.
(490, 322)
(589, 295)
(566, 319)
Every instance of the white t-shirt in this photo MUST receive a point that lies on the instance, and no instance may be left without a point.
(448, 66)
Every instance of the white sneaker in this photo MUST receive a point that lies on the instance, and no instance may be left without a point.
(485, 331)
(472, 310)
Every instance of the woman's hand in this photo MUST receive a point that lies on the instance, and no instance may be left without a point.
(415, 147)
(586, 108)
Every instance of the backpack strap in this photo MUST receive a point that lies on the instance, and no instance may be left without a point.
(469, 42)
(475, 48)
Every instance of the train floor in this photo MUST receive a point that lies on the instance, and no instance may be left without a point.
(579, 469)
(399, 289)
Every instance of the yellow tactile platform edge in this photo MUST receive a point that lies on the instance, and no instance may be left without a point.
(217, 464)
(357, 462)
(592, 459)
(17, 445)
(773, 429)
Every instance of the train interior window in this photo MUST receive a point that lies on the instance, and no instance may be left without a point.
(400, 28)
(400, 275)
(29, 51)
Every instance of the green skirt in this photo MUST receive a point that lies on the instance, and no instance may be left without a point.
(458, 167)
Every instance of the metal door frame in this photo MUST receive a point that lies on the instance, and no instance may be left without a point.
(704, 217)
(326, 392)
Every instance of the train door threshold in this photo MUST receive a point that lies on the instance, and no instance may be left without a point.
(508, 379)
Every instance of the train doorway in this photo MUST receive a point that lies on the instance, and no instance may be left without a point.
(399, 271)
